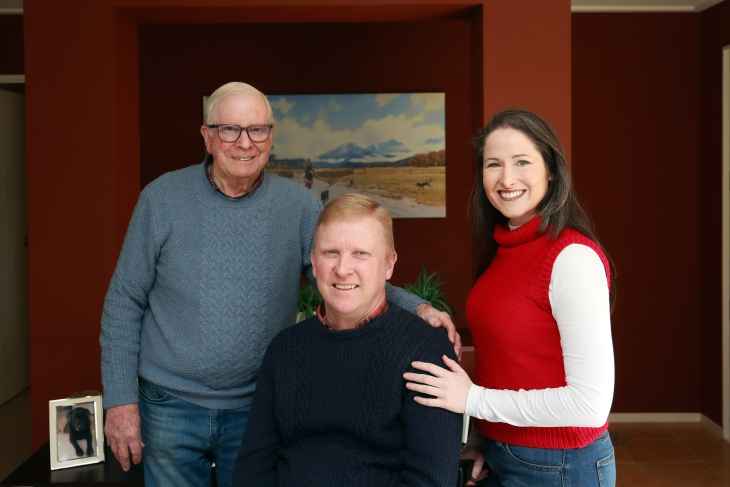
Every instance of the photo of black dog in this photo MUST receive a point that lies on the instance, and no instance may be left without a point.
(78, 421)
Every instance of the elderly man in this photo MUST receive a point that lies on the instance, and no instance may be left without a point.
(331, 405)
(207, 276)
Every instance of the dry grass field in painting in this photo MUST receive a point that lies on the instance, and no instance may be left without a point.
(397, 186)
(388, 182)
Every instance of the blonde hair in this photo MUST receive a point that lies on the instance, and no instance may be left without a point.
(351, 206)
(234, 88)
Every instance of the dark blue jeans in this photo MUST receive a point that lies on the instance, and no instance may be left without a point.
(182, 440)
(513, 466)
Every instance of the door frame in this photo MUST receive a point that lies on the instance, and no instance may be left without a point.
(16, 83)
(726, 242)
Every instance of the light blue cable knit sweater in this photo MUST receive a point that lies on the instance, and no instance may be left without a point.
(203, 284)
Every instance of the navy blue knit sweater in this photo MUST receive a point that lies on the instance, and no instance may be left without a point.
(331, 409)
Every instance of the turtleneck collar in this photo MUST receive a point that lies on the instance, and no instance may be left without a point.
(523, 234)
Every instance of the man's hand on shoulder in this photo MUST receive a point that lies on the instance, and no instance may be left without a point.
(123, 433)
(441, 319)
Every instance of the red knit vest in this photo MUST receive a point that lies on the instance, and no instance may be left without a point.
(516, 338)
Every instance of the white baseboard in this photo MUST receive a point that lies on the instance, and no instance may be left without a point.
(666, 418)
(711, 425)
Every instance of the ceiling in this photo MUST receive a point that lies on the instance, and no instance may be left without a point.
(16, 6)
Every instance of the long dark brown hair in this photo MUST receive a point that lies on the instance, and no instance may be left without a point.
(559, 208)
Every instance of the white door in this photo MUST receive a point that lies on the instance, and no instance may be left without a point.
(14, 328)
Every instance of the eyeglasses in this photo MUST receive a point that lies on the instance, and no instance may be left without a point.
(231, 133)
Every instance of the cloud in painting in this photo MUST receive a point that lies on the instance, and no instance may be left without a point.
(431, 102)
(281, 104)
(384, 98)
(336, 107)
(364, 128)
(434, 141)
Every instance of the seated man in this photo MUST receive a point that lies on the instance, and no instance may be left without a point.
(331, 405)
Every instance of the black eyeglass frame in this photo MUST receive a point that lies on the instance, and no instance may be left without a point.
(219, 125)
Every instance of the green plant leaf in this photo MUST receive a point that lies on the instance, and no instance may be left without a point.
(309, 299)
(428, 288)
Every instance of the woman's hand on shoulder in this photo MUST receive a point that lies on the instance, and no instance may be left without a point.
(450, 388)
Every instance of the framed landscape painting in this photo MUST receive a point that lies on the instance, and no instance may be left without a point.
(390, 146)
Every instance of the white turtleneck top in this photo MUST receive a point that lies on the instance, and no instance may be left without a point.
(579, 298)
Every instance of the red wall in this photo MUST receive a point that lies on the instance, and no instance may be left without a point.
(637, 160)
(11, 44)
(83, 79)
(715, 34)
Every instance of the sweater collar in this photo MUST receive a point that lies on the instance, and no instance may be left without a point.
(526, 233)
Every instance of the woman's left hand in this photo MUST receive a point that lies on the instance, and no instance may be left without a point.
(450, 388)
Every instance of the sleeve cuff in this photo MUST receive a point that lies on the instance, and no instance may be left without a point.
(473, 402)
(111, 401)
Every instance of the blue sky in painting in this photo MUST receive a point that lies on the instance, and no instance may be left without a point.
(350, 111)
(314, 125)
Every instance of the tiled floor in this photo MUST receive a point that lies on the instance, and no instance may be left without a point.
(15, 431)
(669, 455)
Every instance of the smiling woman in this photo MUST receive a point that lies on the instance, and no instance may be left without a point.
(539, 314)
(515, 176)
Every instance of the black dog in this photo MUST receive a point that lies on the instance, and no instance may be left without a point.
(423, 184)
(79, 428)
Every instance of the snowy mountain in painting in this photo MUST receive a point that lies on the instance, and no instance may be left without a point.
(351, 150)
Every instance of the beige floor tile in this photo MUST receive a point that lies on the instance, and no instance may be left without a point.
(659, 450)
(722, 468)
(639, 430)
(690, 474)
(629, 474)
(709, 449)
(687, 430)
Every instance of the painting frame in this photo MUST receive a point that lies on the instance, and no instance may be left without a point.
(60, 438)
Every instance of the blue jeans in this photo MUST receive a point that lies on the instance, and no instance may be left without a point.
(512, 466)
(182, 440)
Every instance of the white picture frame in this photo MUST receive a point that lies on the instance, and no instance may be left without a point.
(72, 422)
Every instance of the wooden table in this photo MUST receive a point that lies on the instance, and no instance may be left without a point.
(36, 471)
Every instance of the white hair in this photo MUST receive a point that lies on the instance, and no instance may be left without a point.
(234, 88)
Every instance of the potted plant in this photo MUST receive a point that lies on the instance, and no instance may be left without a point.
(309, 299)
(428, 287)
